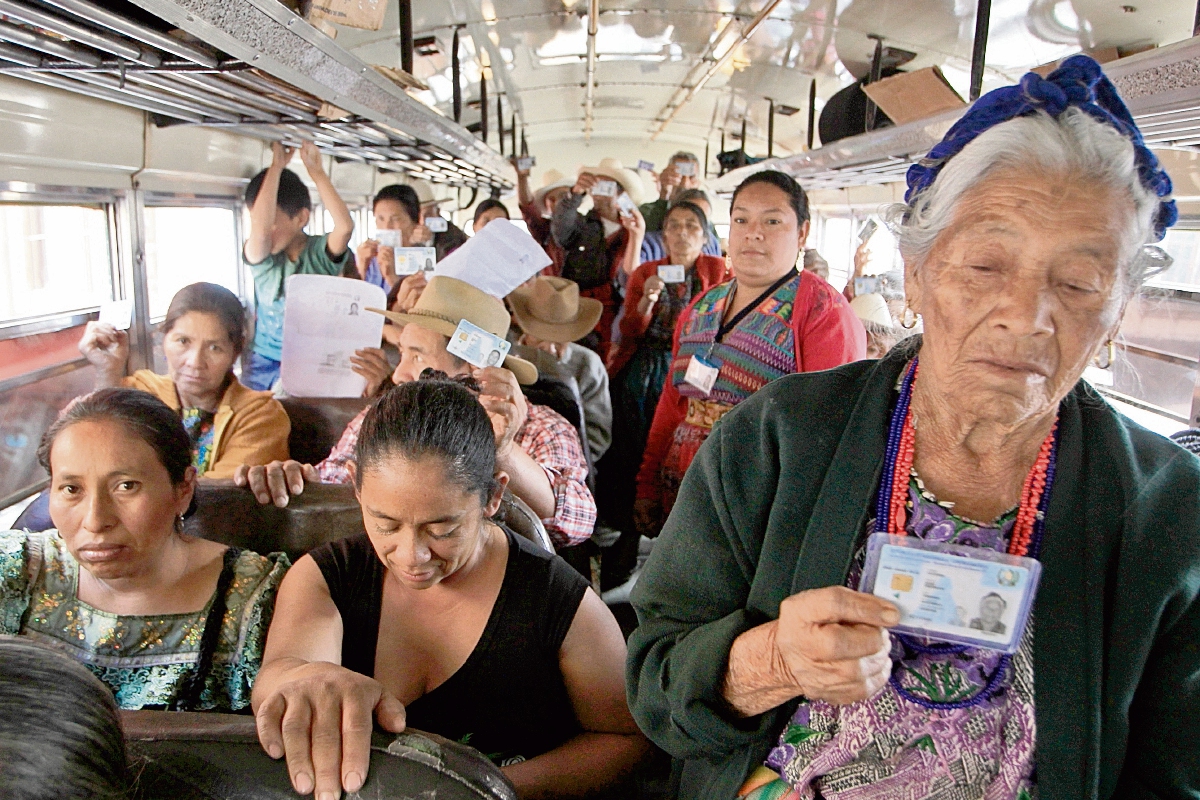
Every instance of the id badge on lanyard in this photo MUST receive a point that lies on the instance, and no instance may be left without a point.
(702, 373)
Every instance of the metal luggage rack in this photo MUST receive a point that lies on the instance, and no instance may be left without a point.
(1161, 87)
(249, 66)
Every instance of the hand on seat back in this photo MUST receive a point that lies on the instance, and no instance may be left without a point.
(321, 720)
(277, 481)
(502, 398)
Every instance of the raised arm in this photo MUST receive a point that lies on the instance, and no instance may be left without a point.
(343, 223)
(106, 349)
(566, 221)
(592, 659)
(262, 213)
(307, 706)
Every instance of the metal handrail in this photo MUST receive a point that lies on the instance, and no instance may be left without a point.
(1160, 355)
(33, 376)
(1142, 404)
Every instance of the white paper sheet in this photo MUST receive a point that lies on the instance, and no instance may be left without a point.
(118, 313)
(324, 322)
(496, 260)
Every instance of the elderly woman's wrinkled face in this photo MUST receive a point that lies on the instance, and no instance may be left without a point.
(684, 236)
(1020, 292)
(112, 500)
(423, 536)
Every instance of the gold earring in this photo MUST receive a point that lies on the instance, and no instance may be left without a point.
(179, 524)
(904, 323)
(1111, 352)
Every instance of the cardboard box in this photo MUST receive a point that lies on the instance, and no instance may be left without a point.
(365, 14)
(401, 78)
(910, 96)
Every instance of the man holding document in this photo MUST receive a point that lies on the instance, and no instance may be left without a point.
(458, 327)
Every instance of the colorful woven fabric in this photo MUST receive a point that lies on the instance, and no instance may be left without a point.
(760, 349)
(201, 429)
(888, 747)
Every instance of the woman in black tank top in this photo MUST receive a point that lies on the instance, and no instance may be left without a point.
(442, 620)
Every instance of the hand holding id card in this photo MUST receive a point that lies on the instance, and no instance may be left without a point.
(672, 273)
(604, 188)
(951, 593)
(478, 347)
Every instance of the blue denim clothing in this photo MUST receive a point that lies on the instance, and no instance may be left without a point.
(261, 373)
(653, 248)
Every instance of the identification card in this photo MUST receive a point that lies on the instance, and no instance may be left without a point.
(389, 238)
(672, 273)
(436, 224)
(477, 347)
(524, 163)
(118, 313)
(410, 260)
(685, 168)
(646, 165)
(866, 284)
(625, 205)
(952, 593)
(604, 188)
(702, 374)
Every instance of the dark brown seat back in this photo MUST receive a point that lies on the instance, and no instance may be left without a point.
(190, 756)
(317, 424)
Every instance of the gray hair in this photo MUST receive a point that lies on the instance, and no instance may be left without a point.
(1074, 142)
(684, 155)
(60, 735)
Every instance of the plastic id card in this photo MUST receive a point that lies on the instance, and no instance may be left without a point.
(410, 260)
(603, 188)
(477, 347)
(685, 168)
(951, 593)
(436, 224)
(701, 373)
(524, 163)
(118, 313)
(646, 165)
(389, 238)
(625, 205)
(672, 273)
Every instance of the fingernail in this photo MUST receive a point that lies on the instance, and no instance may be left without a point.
(275, 751)
(353, 781)
(328, 796)
(282, 502)
(303, 783)
(890, 616)
(297, 488)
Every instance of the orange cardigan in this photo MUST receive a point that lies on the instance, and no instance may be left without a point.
(712, 271)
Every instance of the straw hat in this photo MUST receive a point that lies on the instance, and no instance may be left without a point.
(552, 310)
(551, 179)
(872, 308)
(447, 301)
(614, 169)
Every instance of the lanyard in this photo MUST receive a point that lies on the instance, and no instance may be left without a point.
(724, 330)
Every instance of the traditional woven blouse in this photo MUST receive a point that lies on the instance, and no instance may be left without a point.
(145, 660)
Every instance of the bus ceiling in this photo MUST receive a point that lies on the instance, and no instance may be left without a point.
(248, 66)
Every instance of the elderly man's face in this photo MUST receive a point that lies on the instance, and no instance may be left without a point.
(1021, 291)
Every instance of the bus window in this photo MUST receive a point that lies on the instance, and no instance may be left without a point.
(185, 245)
(53, 258)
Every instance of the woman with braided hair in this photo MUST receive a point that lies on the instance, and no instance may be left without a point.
(1024, 235)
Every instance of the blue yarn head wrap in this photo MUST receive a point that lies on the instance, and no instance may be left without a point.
(1078, 82)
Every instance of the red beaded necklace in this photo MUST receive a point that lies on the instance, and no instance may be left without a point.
(1029, 512)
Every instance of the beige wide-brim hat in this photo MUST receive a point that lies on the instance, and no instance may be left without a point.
(614, 169)
(447, 301)
(425, 192)
(872, 308)
(552, 310)
(552, 179)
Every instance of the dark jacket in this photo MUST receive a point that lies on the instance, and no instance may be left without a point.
(775, 503)
(590, 259)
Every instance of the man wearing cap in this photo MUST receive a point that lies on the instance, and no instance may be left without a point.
(552, 316)
(600, 243)
(538, 449)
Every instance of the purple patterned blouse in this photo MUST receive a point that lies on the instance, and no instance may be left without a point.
(889, 748)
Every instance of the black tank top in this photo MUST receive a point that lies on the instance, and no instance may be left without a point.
(508, 699)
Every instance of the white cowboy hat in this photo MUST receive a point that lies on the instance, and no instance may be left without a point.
(872, 308)
(551, 179)
(614, 169)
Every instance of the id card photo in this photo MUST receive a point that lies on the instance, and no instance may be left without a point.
(951, 593)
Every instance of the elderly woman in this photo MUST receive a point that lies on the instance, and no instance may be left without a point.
(1024, 237)
(203, 335)
(441, 619)
(735, 338)
(164, 619)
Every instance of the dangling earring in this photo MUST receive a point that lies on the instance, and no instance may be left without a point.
(1110, 351)
(179, 524)
(904, 322)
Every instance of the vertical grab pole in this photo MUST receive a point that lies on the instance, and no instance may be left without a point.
(513, 127)
(771, 129)
(812, 112)
(983, 15)
(500, 121)
(872, 115)
(406, 37)
(456, 76)
(483, 108)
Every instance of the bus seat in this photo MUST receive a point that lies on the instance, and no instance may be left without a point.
(182, 755)
(317, 424)
(323, 513)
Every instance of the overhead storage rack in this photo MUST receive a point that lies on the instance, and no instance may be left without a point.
(250, 66)
(1161, 87)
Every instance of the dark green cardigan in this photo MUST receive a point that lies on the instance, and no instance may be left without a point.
(774, 504)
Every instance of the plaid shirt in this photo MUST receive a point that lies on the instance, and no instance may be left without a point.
(549, 440)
